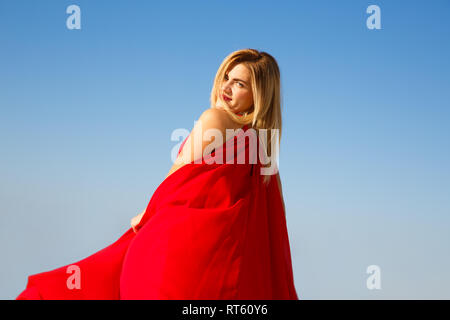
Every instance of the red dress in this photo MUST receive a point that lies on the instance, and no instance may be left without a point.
(210, 231)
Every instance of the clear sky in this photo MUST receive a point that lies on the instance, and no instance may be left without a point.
(86, 117)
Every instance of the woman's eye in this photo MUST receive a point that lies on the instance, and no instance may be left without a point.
(239, 83)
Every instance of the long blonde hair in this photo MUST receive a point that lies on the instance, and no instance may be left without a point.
(265, 82)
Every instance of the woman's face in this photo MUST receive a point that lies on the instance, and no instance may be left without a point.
(236, 89)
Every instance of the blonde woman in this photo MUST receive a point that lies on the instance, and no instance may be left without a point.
(215, 228)
(246, 91)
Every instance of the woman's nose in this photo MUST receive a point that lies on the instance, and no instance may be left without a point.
(226, 87)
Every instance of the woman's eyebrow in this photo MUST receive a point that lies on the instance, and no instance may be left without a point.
(240, 80)
(237, 79)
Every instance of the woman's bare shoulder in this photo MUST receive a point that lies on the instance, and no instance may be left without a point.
(218, 118)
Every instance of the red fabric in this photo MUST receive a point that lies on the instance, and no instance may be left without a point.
(210, 231)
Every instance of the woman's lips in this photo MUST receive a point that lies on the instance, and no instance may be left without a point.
(226, 98)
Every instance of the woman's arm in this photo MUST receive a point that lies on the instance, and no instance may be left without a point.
(210, 119)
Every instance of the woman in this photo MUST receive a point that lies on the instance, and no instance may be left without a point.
(215, 228)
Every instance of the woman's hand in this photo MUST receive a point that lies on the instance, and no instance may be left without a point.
(135, 221)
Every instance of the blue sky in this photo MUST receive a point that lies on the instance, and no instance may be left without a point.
(86, 118)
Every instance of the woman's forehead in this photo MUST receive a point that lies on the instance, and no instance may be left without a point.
(240, 71)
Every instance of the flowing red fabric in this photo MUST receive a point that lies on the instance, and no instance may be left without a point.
(210, 231)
